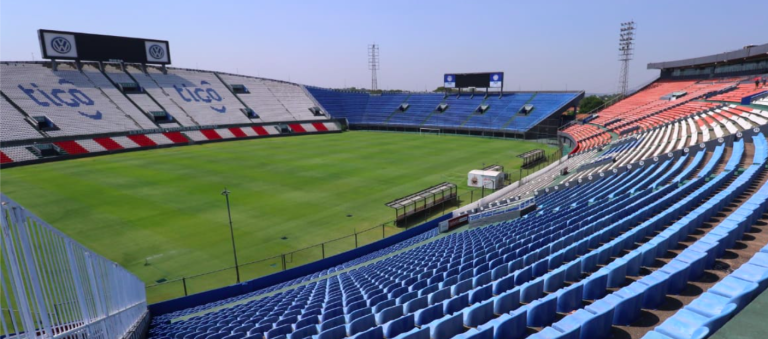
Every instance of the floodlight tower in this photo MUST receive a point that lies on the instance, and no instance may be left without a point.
(373, 65)
(626, 51)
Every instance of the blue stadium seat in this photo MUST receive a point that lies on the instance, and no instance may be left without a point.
(476, 334)
(304, 332)
(429, 314)
(542, 312)
(415, 305)
(685, 324)
(478, 314)
(569, 298)
(389, 314)
(447, 327)
(338, 332)
(361, 324)
(358, 314)
(399, 325)
(480, 294)
(506, 302)
(456, 304)
(373, 333)
(416, 333)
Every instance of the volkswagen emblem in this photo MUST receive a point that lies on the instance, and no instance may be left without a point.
(450, 78)
(61, 45)
(156, 52)
(495, 77)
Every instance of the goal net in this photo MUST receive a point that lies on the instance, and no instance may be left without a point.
(435, 131)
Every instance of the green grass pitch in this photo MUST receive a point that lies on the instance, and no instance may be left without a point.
(160, 214)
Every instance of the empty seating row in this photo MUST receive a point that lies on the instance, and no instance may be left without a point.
(387, 310)
(502, 112)
(90, 100)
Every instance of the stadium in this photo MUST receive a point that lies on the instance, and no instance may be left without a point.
(144, 200)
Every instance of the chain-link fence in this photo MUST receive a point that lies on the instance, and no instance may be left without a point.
(255, 269)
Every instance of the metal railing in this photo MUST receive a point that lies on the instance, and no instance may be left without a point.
(53, 287)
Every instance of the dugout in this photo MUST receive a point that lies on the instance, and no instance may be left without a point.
(420, 204)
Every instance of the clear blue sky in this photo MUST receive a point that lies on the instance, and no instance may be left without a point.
(540, 45)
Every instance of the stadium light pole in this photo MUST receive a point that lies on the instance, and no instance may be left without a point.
(225, 193)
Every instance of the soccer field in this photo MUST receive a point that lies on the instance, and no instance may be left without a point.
(159, 213)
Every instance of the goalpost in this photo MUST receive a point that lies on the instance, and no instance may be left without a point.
(423, 131)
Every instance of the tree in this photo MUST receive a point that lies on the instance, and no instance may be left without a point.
(442, 89)
(590, 103)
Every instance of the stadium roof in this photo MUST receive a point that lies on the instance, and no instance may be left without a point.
(744, 53)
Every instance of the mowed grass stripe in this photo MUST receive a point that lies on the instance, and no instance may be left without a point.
(165, 204)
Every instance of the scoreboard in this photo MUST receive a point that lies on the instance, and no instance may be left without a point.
(95, 47)
(477, 80)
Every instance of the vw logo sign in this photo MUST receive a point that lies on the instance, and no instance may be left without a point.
(449, 78)
(580, 181)
(61, 45)
(739, 135)
(655, 158)
(614, 171)
(670, 154)
(686, 150)
(495, 77)
(590, 177)
(602, 174)
(702, 145)
(756, 130)
(156, 52)
(720, 140)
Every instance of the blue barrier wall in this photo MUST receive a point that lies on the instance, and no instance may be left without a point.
(748, 99)
(296, 272)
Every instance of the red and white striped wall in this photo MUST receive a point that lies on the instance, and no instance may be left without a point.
(106, 144)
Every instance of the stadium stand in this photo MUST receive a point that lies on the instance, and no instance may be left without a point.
(201, 95)
(14, 126)
(661, 102)
(744, 89)
(659, 189)
(761, 100)
(96, 109)
(469, 283)
(67, 97)
(503, 110)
